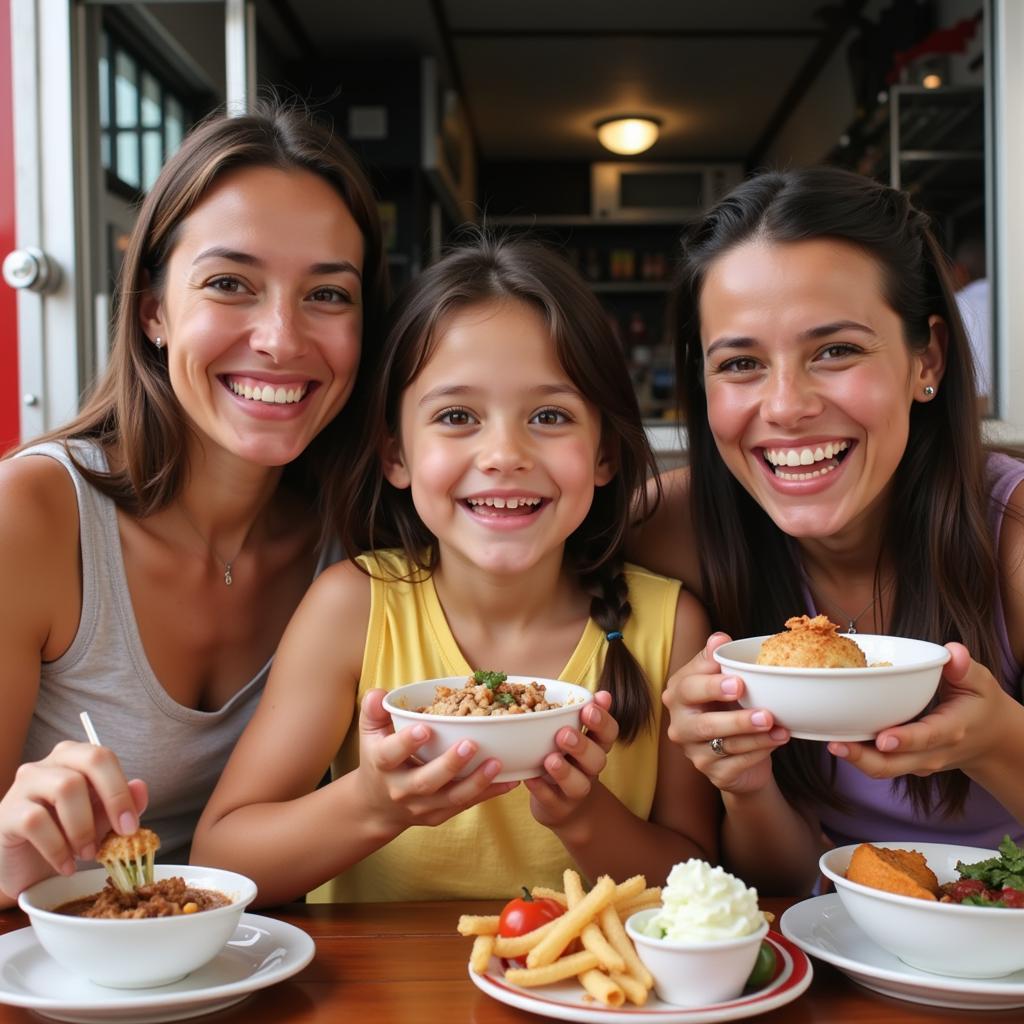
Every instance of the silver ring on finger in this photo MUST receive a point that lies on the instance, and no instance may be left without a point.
(718, 746)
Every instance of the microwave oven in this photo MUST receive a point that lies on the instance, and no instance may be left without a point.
(656, 193)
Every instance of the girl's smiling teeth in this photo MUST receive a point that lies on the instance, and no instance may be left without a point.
(823, 457)
(255, 391)
(487, 505)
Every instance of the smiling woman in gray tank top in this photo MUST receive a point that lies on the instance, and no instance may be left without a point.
(155, 547)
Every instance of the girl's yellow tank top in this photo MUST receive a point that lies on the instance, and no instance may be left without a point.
(490, 850)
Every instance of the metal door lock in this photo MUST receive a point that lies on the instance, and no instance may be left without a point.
(31, 268)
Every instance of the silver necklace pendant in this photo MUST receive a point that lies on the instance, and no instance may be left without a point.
(851, 627)
(227, 575)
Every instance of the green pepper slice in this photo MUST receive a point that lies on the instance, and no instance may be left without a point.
(764, 967)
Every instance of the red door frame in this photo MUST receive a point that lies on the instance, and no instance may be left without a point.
(9, 418)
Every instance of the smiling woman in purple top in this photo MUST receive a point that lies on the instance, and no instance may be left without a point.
(836, 466)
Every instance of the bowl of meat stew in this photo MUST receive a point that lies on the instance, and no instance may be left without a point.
(512, 718)
(157, 935)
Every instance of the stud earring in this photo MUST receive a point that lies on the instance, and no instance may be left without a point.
(929, 391)
(158, 341)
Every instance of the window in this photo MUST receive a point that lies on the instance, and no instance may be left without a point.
(142, 120)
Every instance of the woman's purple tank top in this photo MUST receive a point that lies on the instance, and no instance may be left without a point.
(878, 813)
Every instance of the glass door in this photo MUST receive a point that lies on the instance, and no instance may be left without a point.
(47, 267)
(55, 259)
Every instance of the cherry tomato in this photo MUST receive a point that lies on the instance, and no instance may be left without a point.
(1012, 897)
(764, 967)
(524, 914)
(959, 891)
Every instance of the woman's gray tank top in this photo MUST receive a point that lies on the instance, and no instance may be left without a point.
(178, 751)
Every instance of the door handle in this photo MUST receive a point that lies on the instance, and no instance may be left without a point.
(31, 268)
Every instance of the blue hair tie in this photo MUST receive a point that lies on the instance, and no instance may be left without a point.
(613, 635)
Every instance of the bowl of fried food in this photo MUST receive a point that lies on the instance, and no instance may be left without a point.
(511, 718)
(823, 685)
(946, 909)
(133, 923)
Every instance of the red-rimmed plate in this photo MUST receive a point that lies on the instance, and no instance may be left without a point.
(565, 1000)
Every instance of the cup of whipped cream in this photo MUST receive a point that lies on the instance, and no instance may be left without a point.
(700, 945)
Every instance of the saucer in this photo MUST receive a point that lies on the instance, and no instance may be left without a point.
(566, 1000)
(262, 952)
(822, 927)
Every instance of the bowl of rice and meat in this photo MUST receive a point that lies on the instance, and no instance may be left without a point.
(511, 718)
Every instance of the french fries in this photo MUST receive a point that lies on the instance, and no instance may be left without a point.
(641, 901)
(607, 967)
(471, 924)
(480, 956)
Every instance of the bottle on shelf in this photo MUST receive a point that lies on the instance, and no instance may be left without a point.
(636, 331)
(655, 266)
(626, 263)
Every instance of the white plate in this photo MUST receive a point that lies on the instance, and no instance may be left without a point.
(564, 1000)
(822, 927)
(261, 952)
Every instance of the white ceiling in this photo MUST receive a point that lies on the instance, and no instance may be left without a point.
(536, 74)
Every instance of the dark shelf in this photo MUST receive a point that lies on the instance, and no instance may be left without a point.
(935, 150)
(630, 287)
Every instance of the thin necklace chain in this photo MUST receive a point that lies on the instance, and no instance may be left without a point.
(227, 563)
(851, 620)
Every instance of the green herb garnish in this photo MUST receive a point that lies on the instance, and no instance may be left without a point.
(979, 900)
(506, 699)
(492, 680)
(1005, 870)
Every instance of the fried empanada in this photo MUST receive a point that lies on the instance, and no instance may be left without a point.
(903, 872)
(811, 643)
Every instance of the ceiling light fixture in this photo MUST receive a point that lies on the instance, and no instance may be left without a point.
(628, 134)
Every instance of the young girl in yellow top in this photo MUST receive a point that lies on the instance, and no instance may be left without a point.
(505, 448)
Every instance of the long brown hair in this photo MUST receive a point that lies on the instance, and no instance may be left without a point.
(132, 413)
(939, 543)
(482, 270)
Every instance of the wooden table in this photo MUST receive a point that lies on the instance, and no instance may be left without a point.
(405, 964)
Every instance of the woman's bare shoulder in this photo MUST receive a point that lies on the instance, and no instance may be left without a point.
(39, 552)
(665, 542)
(38, 505)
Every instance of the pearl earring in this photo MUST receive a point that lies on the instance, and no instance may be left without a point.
(158, 341)
(929, 391)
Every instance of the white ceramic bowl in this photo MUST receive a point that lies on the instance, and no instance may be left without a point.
(519, 742)
(941, 938)
(695, 973)
(135, 953)
(840, 703)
